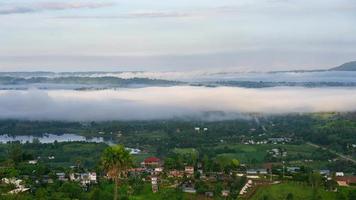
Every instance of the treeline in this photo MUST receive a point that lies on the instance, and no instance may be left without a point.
(9, 80)
(333, 130)
(265, 84)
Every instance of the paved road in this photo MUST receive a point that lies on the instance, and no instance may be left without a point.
(334, 152)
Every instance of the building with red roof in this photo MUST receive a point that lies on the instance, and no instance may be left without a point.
(346, 180)
(151, 162)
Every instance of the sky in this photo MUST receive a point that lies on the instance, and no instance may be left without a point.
(178, 35)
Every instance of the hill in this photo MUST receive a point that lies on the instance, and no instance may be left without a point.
(350, 66)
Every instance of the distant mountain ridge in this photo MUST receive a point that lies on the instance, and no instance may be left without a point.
(349, 66)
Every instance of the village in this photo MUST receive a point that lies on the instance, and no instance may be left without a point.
(193, 179)
(215, 166)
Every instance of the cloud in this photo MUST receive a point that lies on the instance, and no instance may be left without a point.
(141, 15)
(171, 102)
(135, 15)
(149, 14)
(7, 9)
(244, 8)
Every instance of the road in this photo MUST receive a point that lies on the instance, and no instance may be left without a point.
(334, 152)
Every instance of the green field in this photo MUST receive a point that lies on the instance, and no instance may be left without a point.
(163, 194)
(298, 191)
(246, 153)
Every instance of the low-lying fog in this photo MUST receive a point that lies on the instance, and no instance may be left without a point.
(202, 76)
(207, 75)
(169, 102)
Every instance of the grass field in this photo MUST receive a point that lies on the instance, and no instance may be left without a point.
(246, 153)
(163, 194)
(185, 150)
(298, 191)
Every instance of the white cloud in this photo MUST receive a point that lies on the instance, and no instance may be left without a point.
(7, 9)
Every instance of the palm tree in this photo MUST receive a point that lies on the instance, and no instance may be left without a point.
(116, 161)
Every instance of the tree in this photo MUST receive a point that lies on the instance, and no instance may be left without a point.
(15, 153)
(352, 194)
(235, 163)
(116, 161)
(315, 180)
(72, 190)
(290, 196)
(42, 194)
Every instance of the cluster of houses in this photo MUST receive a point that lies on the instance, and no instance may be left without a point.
(83, 178)
(246, 187)
(199, 129)
(18, 183)
(34, 162)
(343, 180)
(277, 153)
(153, 165)
(281, 140)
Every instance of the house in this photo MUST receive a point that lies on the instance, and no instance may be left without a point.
(92, 177)
(176, 174)
(74, 177)
(209, 194)
(189, 190)
(251, 171)
(256, 171)
(293, 169)
(46, 179)
(345, 180)
(32, 162)
(158, 170)
(342, 183)
(225, 193)
(84, 179)
(61, 176)
(133, 151)
(197, 129)
(279, 140)
(189, 170)
(246, 187)
(340, 174)
(136, 171)
(188, 187)
(17, 183)
(324, 172)
(151, 162)
(51, 157)
(154, 182)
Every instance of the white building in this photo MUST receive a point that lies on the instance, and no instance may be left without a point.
(189, 170)
(32, 162)
(339, 174)
(92, 177)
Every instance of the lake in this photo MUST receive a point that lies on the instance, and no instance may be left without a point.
(51, 138)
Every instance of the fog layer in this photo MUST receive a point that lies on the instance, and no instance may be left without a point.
(170, 102)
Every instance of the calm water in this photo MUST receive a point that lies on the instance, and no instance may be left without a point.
(50, 138)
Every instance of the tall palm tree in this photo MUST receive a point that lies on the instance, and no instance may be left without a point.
(116, 161)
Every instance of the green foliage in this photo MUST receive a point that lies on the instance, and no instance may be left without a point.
(293, 191)
(71, 190)
(116, 160)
